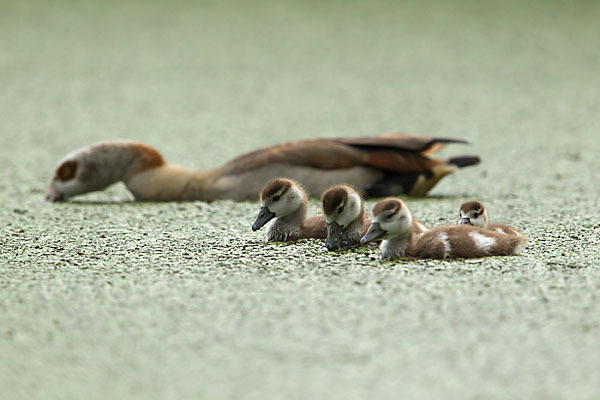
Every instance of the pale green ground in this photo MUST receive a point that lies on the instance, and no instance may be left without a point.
(111, 299)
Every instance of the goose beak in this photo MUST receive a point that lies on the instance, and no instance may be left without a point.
(375, 232)
(464, 221)
(54, 196)
(334, 236)
(264, 216)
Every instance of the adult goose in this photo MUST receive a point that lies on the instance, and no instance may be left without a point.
(378, 166)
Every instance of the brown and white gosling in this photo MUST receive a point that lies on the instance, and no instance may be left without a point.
(474, 213)
(346, 219)
(285, 201)
(379, 166)
(393, 222)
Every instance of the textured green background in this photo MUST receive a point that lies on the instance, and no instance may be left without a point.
(110, 299)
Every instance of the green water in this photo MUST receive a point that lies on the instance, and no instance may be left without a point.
(112, 299)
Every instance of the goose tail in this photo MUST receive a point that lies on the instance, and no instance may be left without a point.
(464, 161)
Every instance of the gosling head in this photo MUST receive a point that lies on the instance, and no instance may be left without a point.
(342, 205)
(278, 198)
(98, 166)
(473, 213)
(390, 219)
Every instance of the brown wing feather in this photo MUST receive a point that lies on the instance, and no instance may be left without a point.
(392, 152)
(319, 153)
(402, 141)
(407, 162)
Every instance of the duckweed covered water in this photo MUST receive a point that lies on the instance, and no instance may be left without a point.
(104, 297)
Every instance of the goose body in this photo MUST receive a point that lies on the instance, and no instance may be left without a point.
(346, 219)
(474, 213)
(464, 241)
(285, 202)
(393, 222)
(378, 166)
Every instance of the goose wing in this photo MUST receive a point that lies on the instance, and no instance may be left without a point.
(398, 152)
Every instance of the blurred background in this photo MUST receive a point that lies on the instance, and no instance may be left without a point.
(205, 81)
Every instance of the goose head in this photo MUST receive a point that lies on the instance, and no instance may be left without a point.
(342, 205)
(279, 198)
(390, 219)
(98, 166)
(473, 213)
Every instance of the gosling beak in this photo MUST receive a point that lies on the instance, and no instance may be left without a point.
(334, 236)
(54, 196)
(464, 221)
(375, 232)
(264, 216)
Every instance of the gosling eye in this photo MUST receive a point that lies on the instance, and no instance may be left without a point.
(475, 215)
(340, 210)
(276, 198)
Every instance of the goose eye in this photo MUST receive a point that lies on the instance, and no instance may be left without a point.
(341, 210)
(276, 198)
(67, 170)
(475, 215)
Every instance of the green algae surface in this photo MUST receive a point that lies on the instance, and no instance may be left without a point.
(103, 297)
